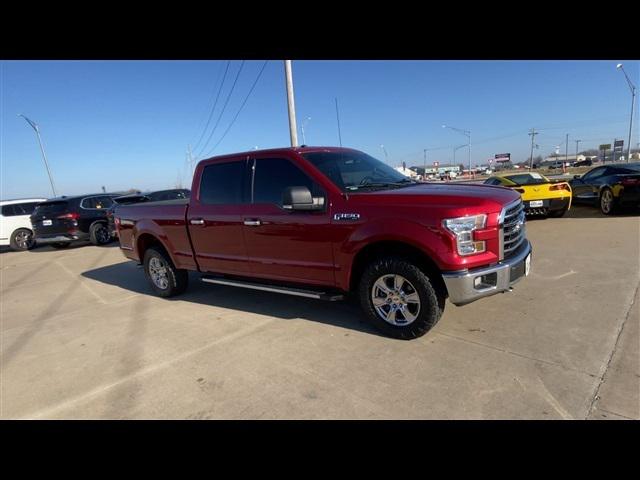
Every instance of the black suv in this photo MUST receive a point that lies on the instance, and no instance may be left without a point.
(62, 220)
(140, 197)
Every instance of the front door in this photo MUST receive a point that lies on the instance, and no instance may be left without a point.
(282, 244)
(215, 218)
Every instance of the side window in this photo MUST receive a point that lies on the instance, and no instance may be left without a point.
(7, 210)
(28, 208)
(593, 174)
(221, 183)
(96, 202)
(273, 175)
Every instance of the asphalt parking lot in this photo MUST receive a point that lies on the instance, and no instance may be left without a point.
(83, 337)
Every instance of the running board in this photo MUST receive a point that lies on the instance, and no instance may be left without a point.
(276, 289)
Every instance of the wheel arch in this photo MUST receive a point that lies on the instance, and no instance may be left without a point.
(400, 249)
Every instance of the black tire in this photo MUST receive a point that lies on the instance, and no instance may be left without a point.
(99, 234)
(607, 202)
(60, 245)
(177, 280)
(22, 239)
(431, 302)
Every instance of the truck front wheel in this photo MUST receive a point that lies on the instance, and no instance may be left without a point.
(399, 299)
(165, 279)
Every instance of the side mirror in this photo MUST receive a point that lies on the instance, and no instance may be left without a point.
(300, 199)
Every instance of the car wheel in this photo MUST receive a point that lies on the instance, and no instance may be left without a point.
(607, 202)
(399, 299)
(60, 245)
(22, 239)
(165, 279)
(99, 234)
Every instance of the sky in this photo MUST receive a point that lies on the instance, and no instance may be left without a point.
(128, 124)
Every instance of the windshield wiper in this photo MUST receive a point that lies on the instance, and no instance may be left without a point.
(401, 183)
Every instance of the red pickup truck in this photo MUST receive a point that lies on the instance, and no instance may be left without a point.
(325, 222)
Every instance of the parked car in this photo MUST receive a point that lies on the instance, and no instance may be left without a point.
(582, 163)
(554, 165)
(608, 187)
(63, 220)
(15, 224)
(324, 222)
(540, 195)
(140, 197)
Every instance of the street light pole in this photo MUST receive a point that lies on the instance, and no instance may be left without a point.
(632, 87)
(293, 133)
(386, 156)
(34, 125)
(577, 142)
(304, 142)
(466, 133)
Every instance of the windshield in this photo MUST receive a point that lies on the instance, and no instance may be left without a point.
(351, 170)
(527, 179)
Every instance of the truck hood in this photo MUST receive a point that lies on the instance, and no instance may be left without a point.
(459, 196)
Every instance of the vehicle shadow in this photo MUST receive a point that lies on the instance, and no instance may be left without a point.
(345, 314)
(586, 211)
(48, 248)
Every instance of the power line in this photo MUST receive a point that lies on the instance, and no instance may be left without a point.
(223, 109)
(195, 147)
(241, 107)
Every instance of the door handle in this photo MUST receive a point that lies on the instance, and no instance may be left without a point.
(252, 223)
(196, 221)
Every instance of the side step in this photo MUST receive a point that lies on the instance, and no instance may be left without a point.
(321, 295)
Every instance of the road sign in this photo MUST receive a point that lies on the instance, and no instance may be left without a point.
(606, 146)
(618, 145)
(503, 156)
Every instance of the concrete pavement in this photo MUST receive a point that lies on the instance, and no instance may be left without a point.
(82, 337)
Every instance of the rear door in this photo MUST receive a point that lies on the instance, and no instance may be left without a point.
(284, 244)
(93, 208)
(215, 217)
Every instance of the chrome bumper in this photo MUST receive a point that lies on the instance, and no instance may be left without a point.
(470, 285)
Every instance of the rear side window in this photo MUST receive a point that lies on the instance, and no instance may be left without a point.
(16, 209)
(222, 183)
(273, 175)
(51, 208)
(96, 202)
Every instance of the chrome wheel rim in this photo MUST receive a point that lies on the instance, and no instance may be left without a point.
(607, 200)
(23, 239)
(395, 300)
(158, 273)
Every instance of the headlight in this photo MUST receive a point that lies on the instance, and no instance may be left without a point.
(462, 228)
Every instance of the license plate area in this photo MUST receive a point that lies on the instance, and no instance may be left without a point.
(47, 223)
(536, 203)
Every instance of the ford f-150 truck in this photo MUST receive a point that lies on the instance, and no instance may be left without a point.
(324, 222)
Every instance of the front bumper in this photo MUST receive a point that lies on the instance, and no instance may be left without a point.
(464, 287)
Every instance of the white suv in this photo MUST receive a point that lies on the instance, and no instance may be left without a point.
(15, 225)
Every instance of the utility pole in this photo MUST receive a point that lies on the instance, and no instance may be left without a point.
(293, 133)
(632, 87)
(424, 174)
(577, 142)
(34, 125)
(190, 159)
(566, 150)
(533, 134)
(338, 117)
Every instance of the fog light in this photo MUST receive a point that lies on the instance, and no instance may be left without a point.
(485, 281)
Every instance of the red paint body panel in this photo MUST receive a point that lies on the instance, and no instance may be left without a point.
(312, 247)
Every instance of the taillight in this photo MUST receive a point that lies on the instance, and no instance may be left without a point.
(630, 181)
(560, 186)
(69, 216)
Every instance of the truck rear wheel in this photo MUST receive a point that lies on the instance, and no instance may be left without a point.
(399, 299)
(165, 279)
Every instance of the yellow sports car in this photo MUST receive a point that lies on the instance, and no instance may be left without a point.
(540, 195)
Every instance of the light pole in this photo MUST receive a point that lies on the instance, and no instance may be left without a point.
(633, 100)
(454, 154)
(304, 142)
(386, 156)
(577, 143)
(291, 103)
(466, 133)
(34, 125)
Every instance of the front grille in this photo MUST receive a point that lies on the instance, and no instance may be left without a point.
(513, 228)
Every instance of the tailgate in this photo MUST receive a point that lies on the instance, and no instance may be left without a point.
(47, 219)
